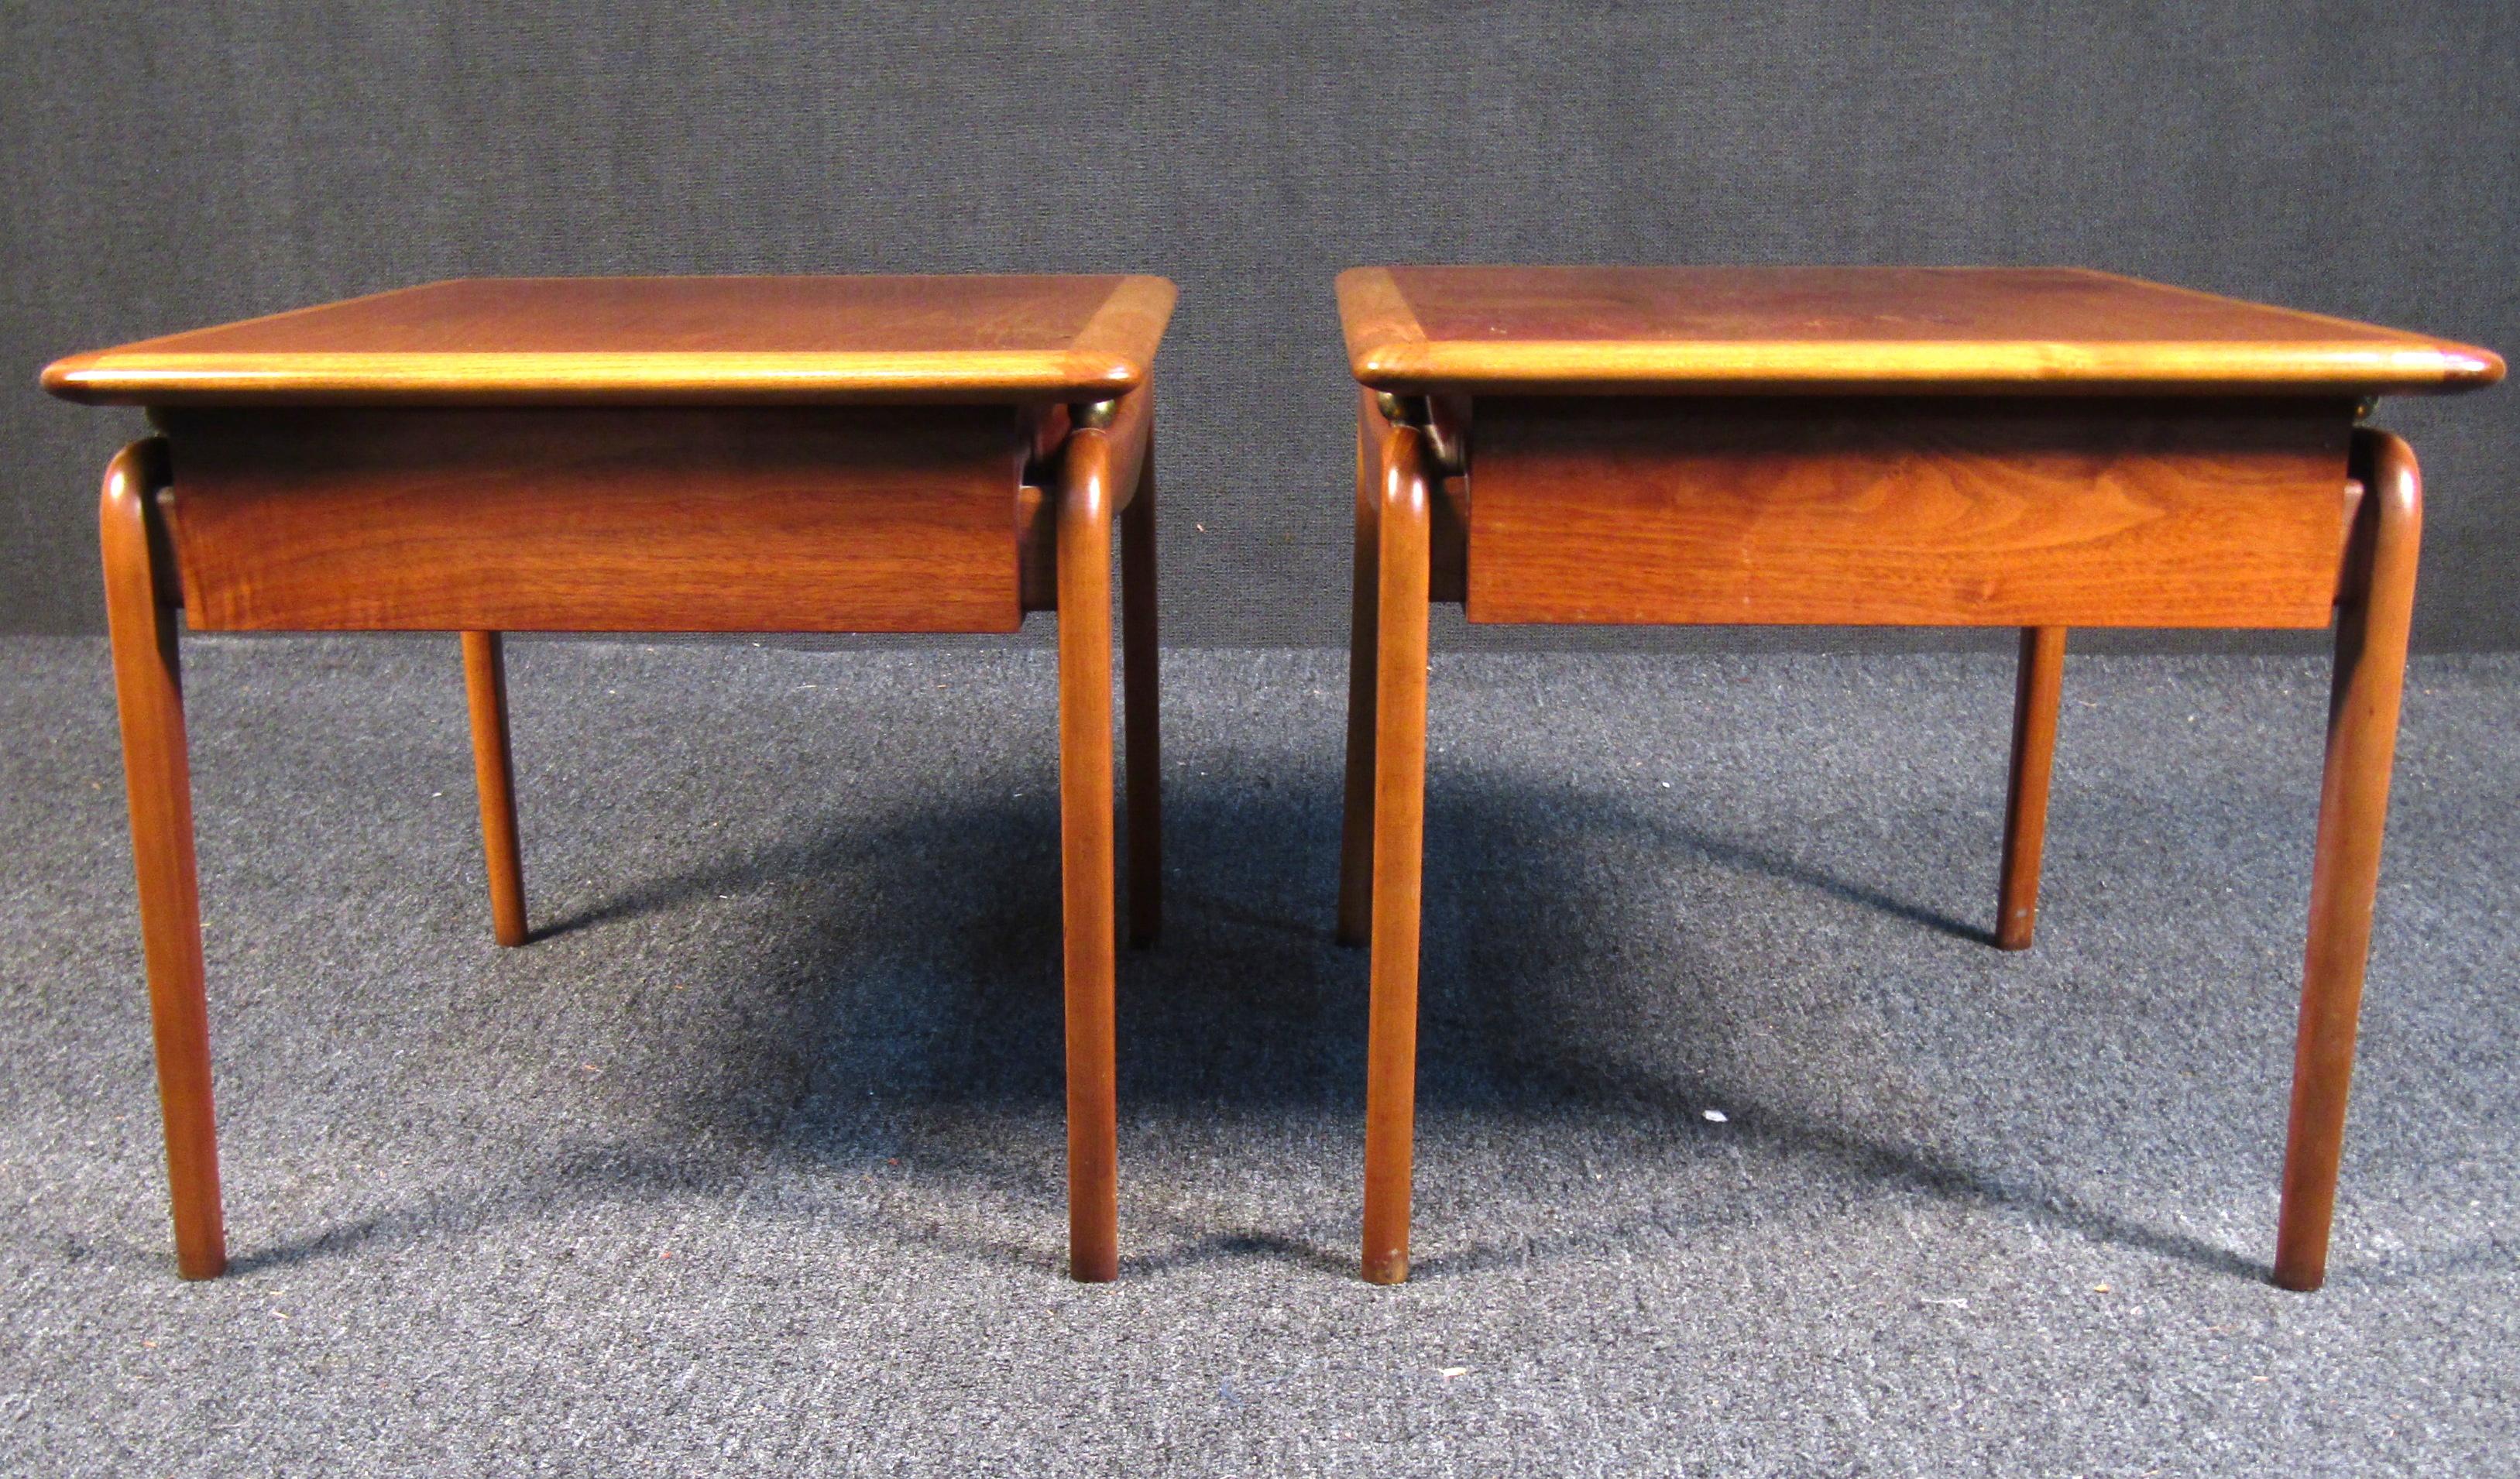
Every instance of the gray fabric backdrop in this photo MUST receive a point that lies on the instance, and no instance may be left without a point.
(174, 164)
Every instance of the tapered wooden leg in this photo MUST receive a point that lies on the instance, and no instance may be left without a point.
(1356, 819)
(2373, 614)
(485, 689)
(1139, 659)
(1085, 854)
(2036, 690)
(140, 612)
(1399, 805)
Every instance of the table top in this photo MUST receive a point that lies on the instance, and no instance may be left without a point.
(608, 340)
(1853, 330)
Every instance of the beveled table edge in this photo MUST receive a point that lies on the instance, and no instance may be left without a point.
(1388, 349)
(1102, 363)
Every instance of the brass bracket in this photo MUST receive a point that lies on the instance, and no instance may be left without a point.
(1443, 435)
(1404, 410)
(1084, 416)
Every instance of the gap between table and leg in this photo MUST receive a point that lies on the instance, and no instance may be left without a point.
(1356, 818)
(1140, 660)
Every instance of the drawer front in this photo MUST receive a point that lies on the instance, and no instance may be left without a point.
(1908, 511)
(673, 518)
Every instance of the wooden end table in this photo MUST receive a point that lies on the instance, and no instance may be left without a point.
(808, 454)
(2038, 448)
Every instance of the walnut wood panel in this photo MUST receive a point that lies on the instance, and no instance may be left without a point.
(603, 340)
(2002, 512)
(1917, 329)
(598, 519)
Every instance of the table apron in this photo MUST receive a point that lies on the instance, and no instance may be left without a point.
(1913, 511)
(597, 519)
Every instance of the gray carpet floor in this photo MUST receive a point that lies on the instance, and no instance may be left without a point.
(751, 1161)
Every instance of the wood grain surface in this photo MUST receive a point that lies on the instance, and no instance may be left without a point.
(681, 518)
(2001, 511)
